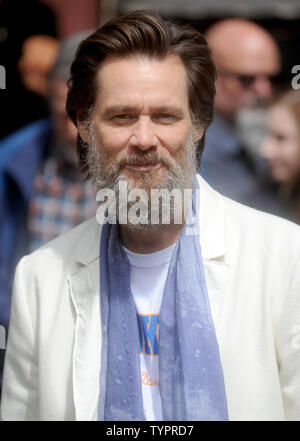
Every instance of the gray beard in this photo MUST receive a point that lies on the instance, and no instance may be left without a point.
(105, 174)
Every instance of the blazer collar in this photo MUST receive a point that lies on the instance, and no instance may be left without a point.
(84, 291)
(87, 248)
(212, 221)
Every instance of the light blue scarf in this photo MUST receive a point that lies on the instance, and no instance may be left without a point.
(190, 371)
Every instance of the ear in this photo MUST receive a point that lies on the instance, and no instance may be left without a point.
(199, 132)
(82, 130)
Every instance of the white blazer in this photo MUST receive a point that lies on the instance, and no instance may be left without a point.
(252, 268)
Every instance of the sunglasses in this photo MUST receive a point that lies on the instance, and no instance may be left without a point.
(247, 81)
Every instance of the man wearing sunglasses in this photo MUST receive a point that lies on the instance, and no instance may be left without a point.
(248, 62)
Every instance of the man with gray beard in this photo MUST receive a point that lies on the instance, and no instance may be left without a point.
(163, 201)
(131, 319)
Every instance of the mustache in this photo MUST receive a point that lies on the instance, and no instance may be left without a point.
(150, 157)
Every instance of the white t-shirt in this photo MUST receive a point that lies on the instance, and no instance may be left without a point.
(148, 273)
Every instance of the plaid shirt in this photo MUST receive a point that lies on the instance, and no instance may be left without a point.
(61, 201)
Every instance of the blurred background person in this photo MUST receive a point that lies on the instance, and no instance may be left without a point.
(281, 149)
(42, 191)
(246, 58)
(27, 32)
(20, 20)
(39, 53)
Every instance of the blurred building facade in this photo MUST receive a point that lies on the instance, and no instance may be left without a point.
(73, 16)
(280, 17)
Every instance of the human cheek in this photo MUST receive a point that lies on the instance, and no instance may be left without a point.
(114, 140)
(173, 139)
(293, 150)
(292, 157)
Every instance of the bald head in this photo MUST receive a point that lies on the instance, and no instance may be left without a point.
(242, 51)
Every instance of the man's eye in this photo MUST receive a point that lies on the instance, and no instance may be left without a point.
(164, 117)
(123, 116)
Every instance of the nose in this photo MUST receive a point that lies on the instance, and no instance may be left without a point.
(262, 87)
(143, 136)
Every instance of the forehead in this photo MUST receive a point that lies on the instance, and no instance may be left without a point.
(282, 119)
(142, 81)
(250, 57)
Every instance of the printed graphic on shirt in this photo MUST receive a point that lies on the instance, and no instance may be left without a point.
(148, 325)
(148, 381)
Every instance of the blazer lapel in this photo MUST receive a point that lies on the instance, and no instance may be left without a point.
(84, 288)
(213, 245)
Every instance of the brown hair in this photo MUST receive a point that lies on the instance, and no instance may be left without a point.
(291, 191)
(290, 100)
(148, 34)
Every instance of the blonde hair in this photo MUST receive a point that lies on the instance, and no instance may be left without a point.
(291, 101)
